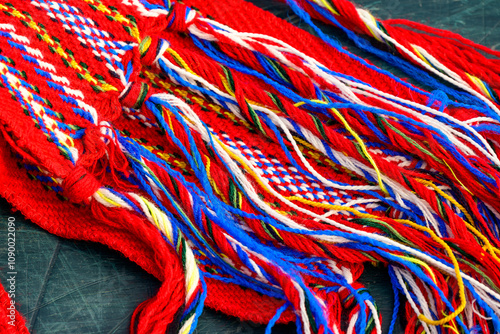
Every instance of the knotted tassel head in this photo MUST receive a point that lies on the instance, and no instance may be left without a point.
(134, 95)
(180, 17)
(80, 185)
(150, 49)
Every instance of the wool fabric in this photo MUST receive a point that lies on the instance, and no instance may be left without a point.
(255, 168)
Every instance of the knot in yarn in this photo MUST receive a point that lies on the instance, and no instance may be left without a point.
(80, 185)
(134, 95)
(180, 17)
(151, 48)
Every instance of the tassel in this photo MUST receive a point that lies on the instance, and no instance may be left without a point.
(162, 312)
(449, 56)
(176, 307)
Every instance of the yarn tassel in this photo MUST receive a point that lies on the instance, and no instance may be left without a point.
(449, 56)
(162, 312)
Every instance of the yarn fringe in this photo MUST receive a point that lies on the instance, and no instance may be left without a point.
(464, 64)
(290, 172)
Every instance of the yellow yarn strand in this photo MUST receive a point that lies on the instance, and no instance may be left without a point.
(492, 250)
(463, 301)
(358, 140)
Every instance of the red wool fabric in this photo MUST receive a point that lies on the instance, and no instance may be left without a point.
(70, 84)
(64, 219)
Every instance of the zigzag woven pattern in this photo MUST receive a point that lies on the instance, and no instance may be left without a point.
(254, 168)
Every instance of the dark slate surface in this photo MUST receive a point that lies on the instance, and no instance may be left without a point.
(79, 287)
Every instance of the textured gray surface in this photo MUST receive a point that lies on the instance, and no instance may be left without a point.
(478, 20)
(76, 287)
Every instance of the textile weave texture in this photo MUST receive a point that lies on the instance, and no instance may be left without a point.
(254, 168)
